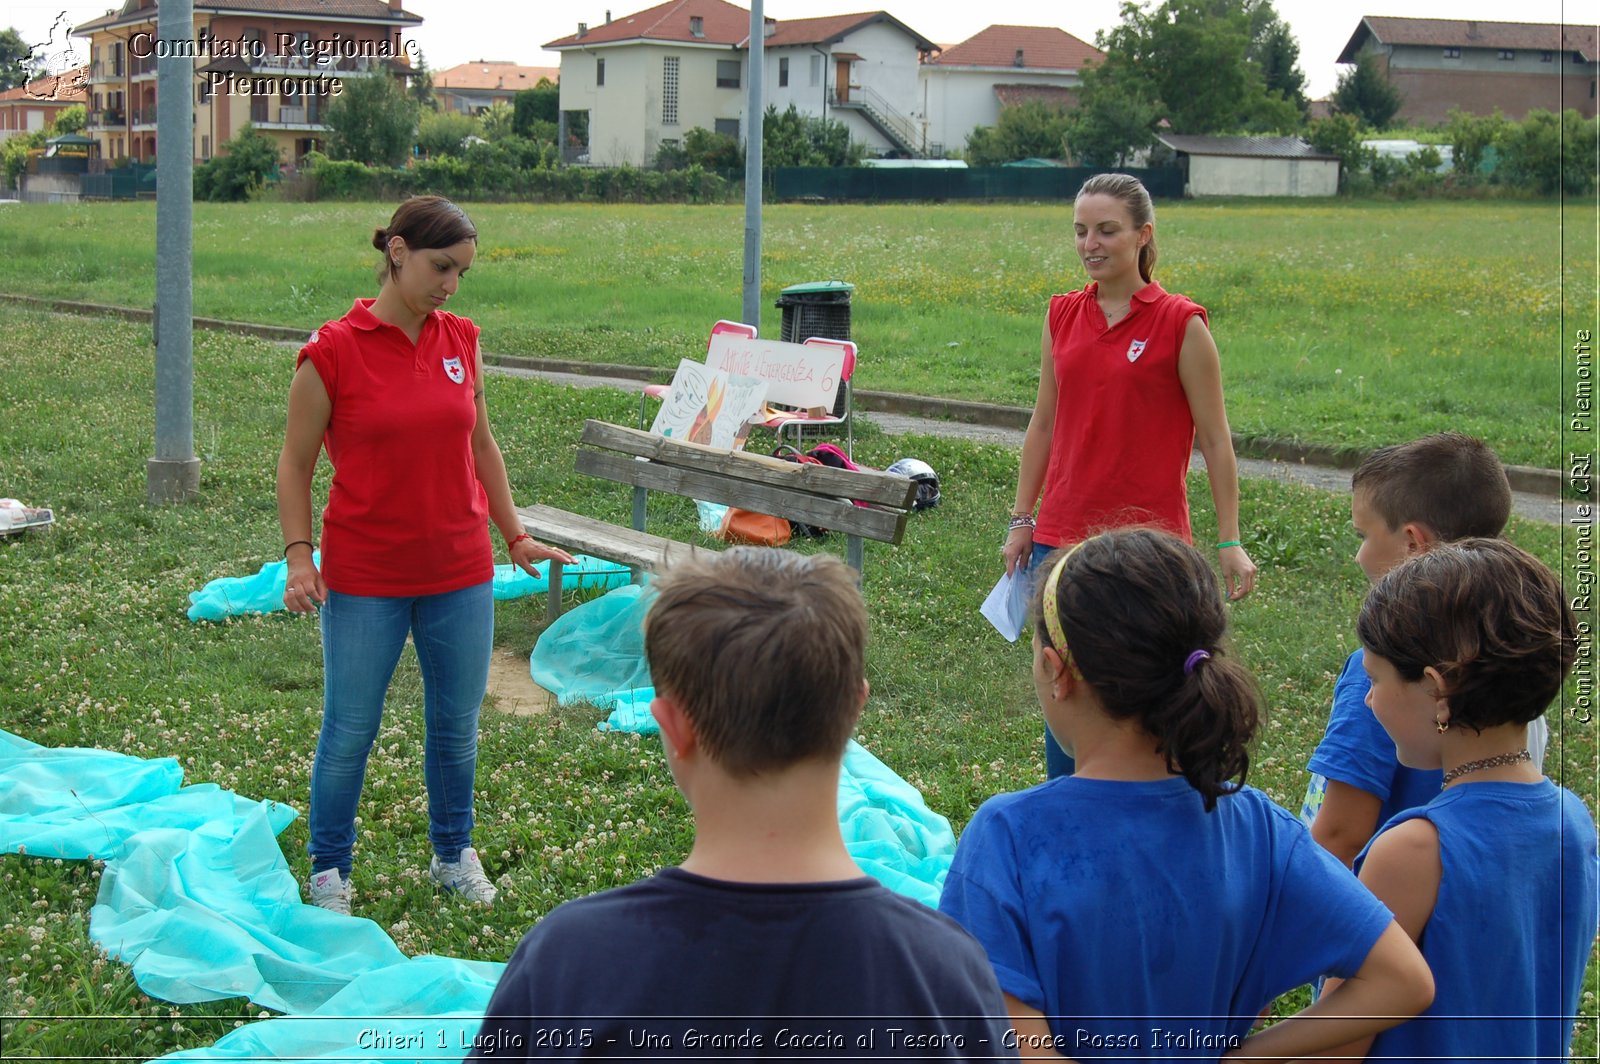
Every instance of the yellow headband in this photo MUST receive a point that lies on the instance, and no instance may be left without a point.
(1049, 607)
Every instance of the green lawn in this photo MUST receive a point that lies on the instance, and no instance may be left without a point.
(1350, 324)
(100, 654)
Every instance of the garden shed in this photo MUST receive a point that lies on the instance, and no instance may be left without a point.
(1253, 166)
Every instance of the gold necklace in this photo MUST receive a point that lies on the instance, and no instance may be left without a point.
(1488, 762)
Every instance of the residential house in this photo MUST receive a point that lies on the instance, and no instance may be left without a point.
(646, 79)
(273, 64)
(1515, 67)
(472, 88)
(861, 70)
(967, 85)
(1253, 166)
(33, 106)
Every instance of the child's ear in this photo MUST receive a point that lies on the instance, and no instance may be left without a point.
(1437, 688)
(1419, 537)
(677, 731)
(1062, 676)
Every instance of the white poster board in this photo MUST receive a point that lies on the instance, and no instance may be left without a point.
(797, 375)
(706, 405)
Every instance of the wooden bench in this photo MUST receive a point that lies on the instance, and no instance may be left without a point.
(816, 495)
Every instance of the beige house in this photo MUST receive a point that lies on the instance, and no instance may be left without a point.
(1515, 67)
(274, 64)
(968, 84)
(472, 88)
(1253, 166)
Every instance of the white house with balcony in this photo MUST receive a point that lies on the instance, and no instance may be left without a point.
(644, 80)
(968, 84)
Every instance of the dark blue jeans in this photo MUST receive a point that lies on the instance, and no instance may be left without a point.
(362, 637)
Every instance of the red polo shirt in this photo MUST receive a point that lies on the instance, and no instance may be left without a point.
(1119, 454)
(406, 514)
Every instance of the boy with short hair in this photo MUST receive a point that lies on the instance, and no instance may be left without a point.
(767, 939)
(1405, 499)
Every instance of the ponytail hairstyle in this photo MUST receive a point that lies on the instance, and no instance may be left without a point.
(1142, 617)
(423, 222)
(1136, 198)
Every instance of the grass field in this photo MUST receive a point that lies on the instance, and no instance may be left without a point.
(100, 654)
(1349, 324)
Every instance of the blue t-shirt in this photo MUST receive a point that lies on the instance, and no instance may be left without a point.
(1145, 927)
(1511, 928)
(1355, 750)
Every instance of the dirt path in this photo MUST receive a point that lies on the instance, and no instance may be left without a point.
(512, 688)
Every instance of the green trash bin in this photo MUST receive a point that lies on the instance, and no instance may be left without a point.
(817, 308)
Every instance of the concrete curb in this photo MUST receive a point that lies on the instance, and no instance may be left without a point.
(1523, 478)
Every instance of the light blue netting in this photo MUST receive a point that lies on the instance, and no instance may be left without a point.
(230, 596)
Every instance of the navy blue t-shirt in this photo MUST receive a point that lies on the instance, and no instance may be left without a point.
(682, 965)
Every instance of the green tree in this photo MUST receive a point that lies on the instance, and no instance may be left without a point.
(1193, 57)
(1115, 117)
(1276, 54)
(240, 171)
(1471, 137)
(542, 103)
(497, 122)
(71, 120)
(444, 133)
(16, 57)
(1363, 91)
(1548, 153)
(794, 139)
(371, 121)
(714, 151)
(421, 88)
(1031, 130)
(1341, 135)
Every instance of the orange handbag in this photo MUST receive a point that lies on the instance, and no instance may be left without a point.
(757, 529)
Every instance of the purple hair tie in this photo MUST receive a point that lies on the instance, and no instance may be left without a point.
(1194, 659)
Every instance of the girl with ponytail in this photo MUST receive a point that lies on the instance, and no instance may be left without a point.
(1152, 903)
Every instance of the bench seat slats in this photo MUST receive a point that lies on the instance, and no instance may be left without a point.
(866, 485)
(586, 535)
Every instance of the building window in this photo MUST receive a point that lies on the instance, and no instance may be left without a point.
(205, 146)
(1452, 53)
(783, 72)
(599, 72)
(727, 73)
(1507, 53)
(728, 127)
(669, 91)
(1547, 57)
(697, 26)
(816, 71)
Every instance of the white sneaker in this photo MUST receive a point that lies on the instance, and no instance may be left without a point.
(465, 877)
(329, 890)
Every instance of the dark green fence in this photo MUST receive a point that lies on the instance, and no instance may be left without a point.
(125, 182)
(873, 183)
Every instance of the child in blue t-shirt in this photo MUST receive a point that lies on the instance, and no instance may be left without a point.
(1147, 906)
(1404, 500)
(1494, 878)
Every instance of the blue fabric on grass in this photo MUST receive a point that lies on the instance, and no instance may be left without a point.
(232, 596)
(197, 898)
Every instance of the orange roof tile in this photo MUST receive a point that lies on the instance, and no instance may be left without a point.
(362, 9)
(1042, 48)
(721, 23)
(489, 75)
(68, 87)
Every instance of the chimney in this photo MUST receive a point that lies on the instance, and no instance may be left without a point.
(1472, 30)
(608, 16)
(394, 5)
(583, 29)
(1018, 60)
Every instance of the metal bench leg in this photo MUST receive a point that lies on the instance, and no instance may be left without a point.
(553, 607)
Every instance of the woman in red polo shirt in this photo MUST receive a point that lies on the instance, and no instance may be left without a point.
(1129, 384)
(394, 391)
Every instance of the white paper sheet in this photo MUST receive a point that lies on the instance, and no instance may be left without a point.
(1007, 605)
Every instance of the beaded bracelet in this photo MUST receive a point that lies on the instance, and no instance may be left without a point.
(1021, 521)
(1229, 543)
(296, 543)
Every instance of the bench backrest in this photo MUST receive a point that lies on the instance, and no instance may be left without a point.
(816, 495)
(797, 375)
